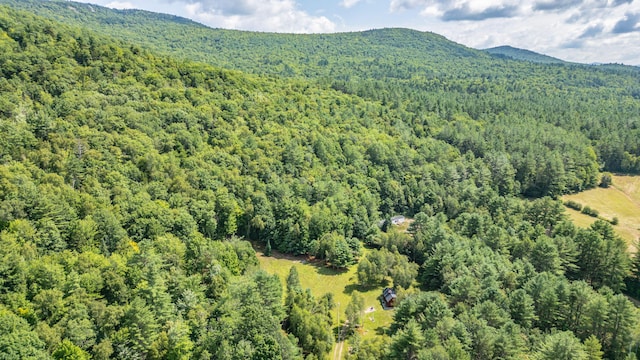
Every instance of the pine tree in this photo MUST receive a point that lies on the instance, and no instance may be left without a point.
(267, 249)
(354, 310)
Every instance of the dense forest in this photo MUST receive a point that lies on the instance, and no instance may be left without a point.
(522, 54)
(131, 183)
(426, 78)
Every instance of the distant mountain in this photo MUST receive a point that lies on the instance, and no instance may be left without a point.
(619, 67)
(308, 55)
(523, 54)
(378, 54)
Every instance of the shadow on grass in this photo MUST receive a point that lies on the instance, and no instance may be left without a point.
(382, 330)
(323, 269)
(364, 288)
(259, 249)
(357, 287)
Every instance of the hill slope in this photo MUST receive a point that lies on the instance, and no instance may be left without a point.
(426, 77)
(283, 54)
(523, 54)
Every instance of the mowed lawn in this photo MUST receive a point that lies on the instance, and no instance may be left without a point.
(341, 283)
(621, 200)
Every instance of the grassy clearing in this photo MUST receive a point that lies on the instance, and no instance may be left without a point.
(629, 185)
(621, 200)
(321, 280)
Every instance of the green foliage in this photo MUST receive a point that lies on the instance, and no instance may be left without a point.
(476, 102)
(593, 348)
(267, 248)
(17, 339)
(354, 311)
(573, 205)
(521, 54)
(337, 251)
(603, 256)
(407, 342)
(247, 324)
(66, 350)
(378, 264)
(128, 181)
(309, 320)
(562, 345)
(589, 211)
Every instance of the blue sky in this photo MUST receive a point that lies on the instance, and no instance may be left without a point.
(575, 30)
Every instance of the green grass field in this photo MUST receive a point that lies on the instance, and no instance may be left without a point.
(321, 280)
(341, 283)
(621, 200)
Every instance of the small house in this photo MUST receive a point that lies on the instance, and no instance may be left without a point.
(398, 220)
(389, 296)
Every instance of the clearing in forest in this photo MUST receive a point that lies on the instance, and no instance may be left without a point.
(322, 279)
(621, 200)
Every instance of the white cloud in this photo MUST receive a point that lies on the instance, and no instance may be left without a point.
(399, 5)
(479, 10)
(257, 15)
(476, 10)
(589, 40)
(120, 5)
(574, 30)
(349, 3)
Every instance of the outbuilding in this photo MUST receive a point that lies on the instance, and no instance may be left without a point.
(389, 296)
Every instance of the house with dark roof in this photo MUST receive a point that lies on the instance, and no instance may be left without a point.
(389, 297)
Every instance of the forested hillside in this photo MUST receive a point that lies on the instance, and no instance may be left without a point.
(130, 182)
(425, 77)
(522, 54)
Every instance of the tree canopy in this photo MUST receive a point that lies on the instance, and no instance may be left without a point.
(132, 182)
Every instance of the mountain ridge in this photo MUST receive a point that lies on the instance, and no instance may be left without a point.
(523, 54)
(408, 68)
(128, 22)
(115, 22)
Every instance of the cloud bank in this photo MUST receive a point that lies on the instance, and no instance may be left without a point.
(628, 24)
(465, 12)
(258, 15)
(578, 30)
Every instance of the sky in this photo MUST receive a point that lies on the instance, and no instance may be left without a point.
(586, 31)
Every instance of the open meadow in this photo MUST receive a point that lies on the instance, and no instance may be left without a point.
(321, 279)
(620, 200)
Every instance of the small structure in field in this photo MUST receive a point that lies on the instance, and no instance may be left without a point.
(389, 297)
(396, 220)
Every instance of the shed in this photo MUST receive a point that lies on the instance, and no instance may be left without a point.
(389, 296)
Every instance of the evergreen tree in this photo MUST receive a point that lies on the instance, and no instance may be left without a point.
(267, 249)
(354, 311)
